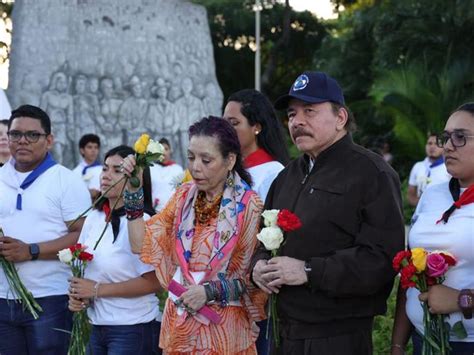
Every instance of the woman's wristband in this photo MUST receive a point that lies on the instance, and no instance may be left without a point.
(96, 290)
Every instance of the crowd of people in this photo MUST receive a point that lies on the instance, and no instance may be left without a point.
(193, 236)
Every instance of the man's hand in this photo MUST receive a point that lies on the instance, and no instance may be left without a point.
(283, 270)
(14, 250)
(261, 278)
(441, 299)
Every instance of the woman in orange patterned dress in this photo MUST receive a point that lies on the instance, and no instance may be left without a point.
(201, 245)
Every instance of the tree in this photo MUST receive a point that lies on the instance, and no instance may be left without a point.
(403, 66)
(5, 14)
(289, 40)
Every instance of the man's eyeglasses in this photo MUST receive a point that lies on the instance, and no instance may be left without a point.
(30, 136)
(458, 139)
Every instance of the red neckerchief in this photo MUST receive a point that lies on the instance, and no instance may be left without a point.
(107, 210)
(167, 163)
(466, 198)
(260, 156)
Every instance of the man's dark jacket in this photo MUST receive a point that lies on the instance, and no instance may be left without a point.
(351, 210)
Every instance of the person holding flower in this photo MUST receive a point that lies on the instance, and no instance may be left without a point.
(117, 287)
(38, 201)
(331, 276)
(443, 221)
(201, 244)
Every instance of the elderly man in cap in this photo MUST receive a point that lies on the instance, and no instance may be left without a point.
(334, 274)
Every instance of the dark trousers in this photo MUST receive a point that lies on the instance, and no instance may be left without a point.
(20, 334)
(136, 339)
(356, 341)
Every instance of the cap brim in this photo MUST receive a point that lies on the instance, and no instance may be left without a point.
(282, 102)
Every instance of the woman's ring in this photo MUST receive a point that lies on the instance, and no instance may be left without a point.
(73, 290)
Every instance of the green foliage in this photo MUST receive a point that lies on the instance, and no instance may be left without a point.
(232, 25)
(383, 325)
(5, 14)
(407, 209)
(404, 66)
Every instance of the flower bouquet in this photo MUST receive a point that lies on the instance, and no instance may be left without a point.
(421, 269)
(77, 258)
(147, 151)
(19, 291)
(276, 222)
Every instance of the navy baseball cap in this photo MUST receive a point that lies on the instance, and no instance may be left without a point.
(312, 87)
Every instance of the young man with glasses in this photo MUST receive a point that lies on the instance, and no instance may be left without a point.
(429, 171)
(38, 200)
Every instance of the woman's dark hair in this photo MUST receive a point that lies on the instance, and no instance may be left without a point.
(258, 109)
(226, 136)
(468, 107)
(124, 151)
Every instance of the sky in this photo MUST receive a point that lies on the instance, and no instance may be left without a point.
(322, 8)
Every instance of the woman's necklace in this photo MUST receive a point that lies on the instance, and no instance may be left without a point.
(205, 210)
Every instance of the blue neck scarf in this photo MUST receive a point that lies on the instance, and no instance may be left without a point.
(436, 163)
(96, 163)
(47, 163)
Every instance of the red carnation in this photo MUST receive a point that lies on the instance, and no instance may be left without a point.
(449, 259)
(407, 276)
(288, 221)
(397, 262)
(85, 256)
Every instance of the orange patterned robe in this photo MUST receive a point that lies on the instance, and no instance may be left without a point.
(237, 332)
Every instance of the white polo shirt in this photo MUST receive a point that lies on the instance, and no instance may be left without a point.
(54, 197)
(115, 262)
(455, 237)
(421, 175)
(164, 180)
(263, 176)
(92, 176)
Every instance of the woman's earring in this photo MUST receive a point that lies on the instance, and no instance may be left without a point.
(230, 180)
(257, 132)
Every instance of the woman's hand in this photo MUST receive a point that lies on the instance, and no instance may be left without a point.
(77, 305)
(82, 288)
(127, 167)
(441, 299)
(194, 298)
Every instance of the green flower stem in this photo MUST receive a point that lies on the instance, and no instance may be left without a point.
(99, 199)
(19, 291)
(108, 222)
(80, 329)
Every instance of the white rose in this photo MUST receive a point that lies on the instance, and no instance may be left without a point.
(270, 217)
(271, 237)
(155, 147)
(65, 256)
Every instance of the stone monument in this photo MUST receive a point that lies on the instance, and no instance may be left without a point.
(116, 68)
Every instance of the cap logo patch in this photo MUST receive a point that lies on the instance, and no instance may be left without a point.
(301, 82)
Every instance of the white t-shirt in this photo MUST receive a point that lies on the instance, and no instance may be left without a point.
(115, 262)
(422, 175)
(263, 176)
(54, 197)
(164, 180)
(455, 237)
(92, 176)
